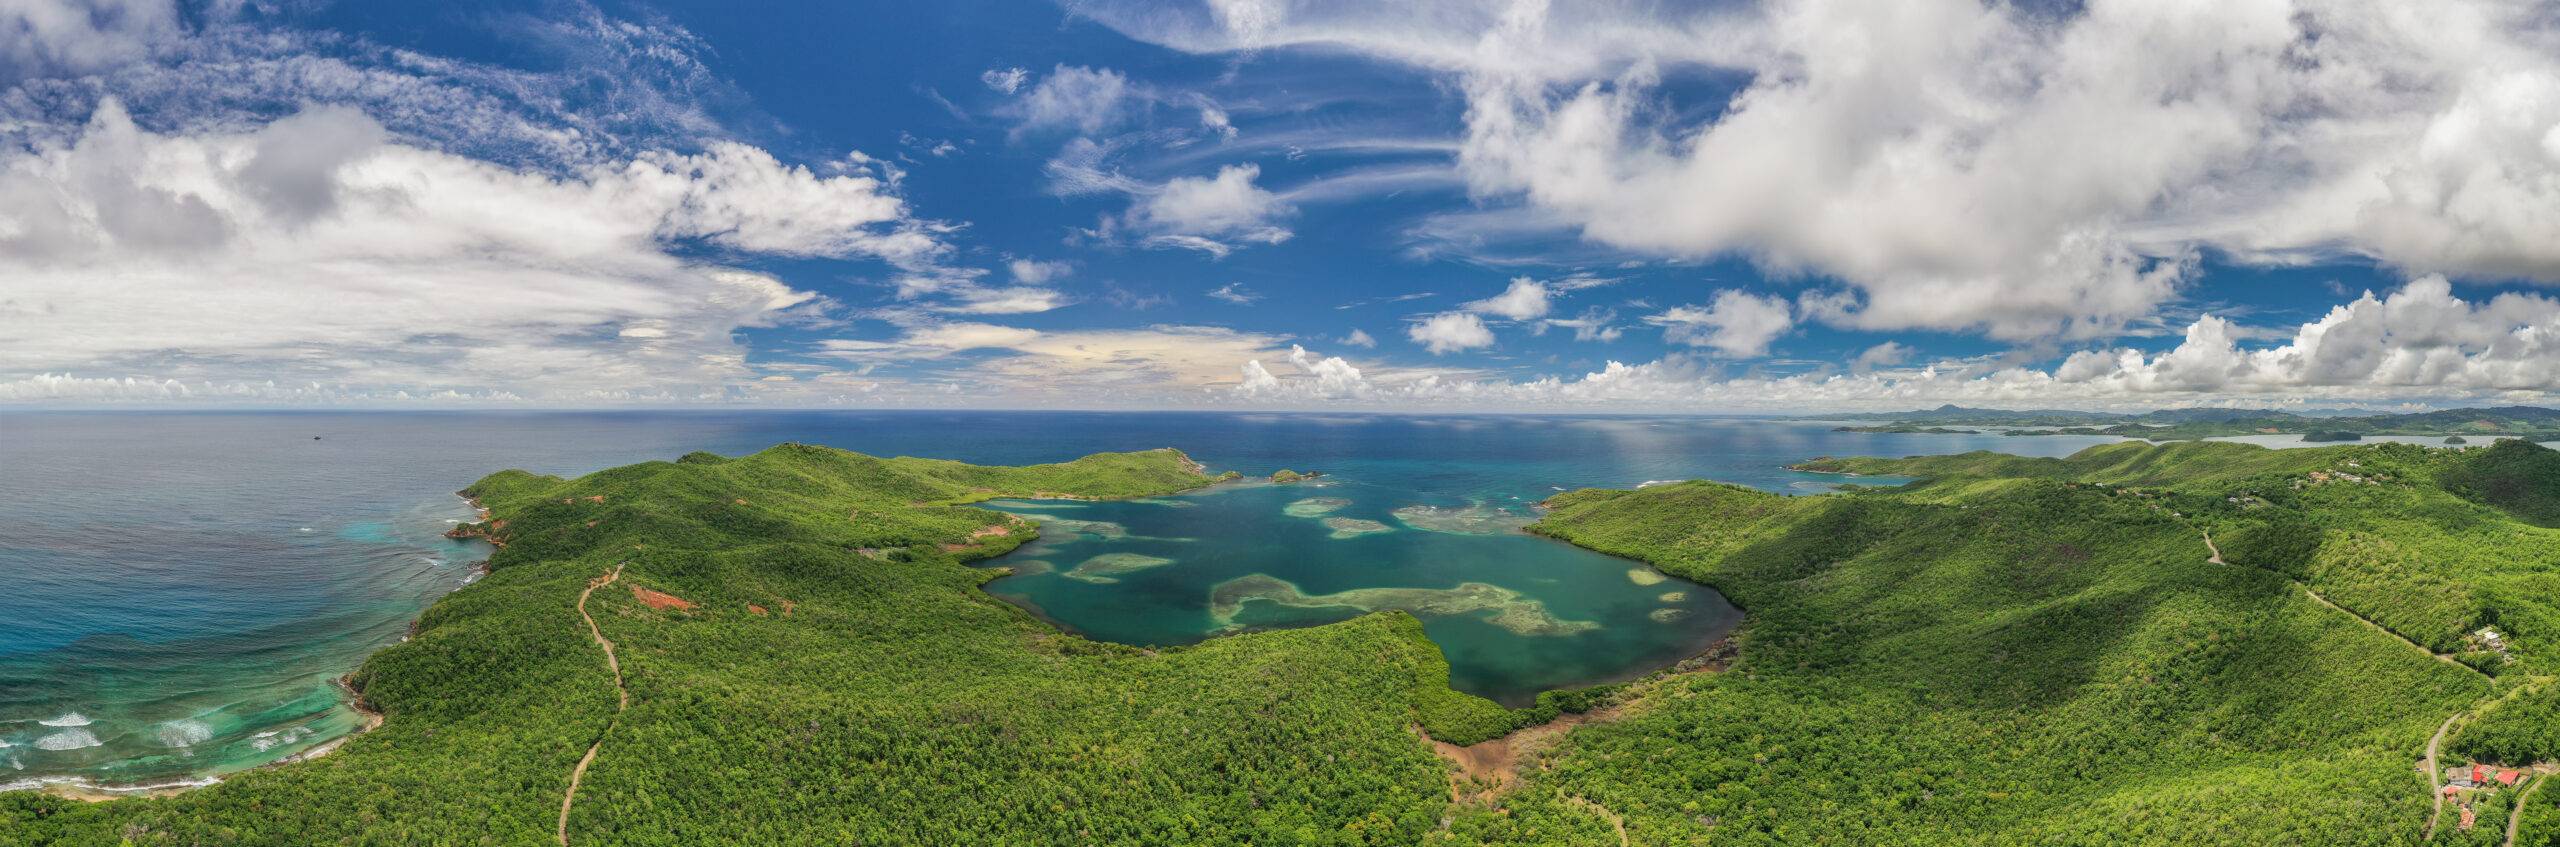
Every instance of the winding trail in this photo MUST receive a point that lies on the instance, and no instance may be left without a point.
(2216, 558)
(2441, 657)
(2435, 773)
(2516, 816)
(622, 698)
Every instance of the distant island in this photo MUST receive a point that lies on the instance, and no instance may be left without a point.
(2530, 423)
(2190, 643)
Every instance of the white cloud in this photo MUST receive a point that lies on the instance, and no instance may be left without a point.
(741, 197)
(2009, 169)
(1214, 120)
(1738, 323)
(46, 37)
(1234, 293)
(1086, 100)
(314, 251)
(1360, 338)
(1012, 300)
(1034, 272)
(1450, 332)
(1318, 378)
(2421, 337)
(1211, 214)
(969, 336)
(1883, 355)
(1004, 80)
(1525, 299)
(1595, 324)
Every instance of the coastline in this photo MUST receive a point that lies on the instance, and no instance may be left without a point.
(85, 790)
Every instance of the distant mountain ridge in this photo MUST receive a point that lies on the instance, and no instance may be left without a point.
(2527, 421)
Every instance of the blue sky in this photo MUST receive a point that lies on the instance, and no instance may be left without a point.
(1267, 204)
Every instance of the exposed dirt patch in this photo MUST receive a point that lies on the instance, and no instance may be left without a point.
(1489, 769)
(753, 609)
(660, 599)
(1483, 772)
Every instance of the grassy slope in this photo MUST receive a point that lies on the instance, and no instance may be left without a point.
(2009, 654)
(895, 704)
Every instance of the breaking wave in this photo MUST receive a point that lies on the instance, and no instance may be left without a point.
(69, 739)
(185, 733)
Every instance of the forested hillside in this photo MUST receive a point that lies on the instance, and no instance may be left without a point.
(2189, 644)
(2042, 651)
(808, 663)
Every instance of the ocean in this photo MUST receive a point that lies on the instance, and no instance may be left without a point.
(179, 590)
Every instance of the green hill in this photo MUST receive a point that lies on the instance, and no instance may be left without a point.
(835, 676)
(2012, 651)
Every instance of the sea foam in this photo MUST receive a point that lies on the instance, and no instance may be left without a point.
(67, 719)
(185, 733)
(69, 739)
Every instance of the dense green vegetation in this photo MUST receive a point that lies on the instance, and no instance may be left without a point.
(2012, 651)
(2512, 476)
(2036, 651)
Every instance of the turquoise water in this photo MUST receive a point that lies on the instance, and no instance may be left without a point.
(1515, 614)
(178, 590)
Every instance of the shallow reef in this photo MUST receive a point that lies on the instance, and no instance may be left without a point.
(1355, 527)
(1510, 610)
(1108, 567)
(1314, 507)
(1477, 519)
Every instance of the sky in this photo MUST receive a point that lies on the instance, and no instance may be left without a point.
(1789, 206)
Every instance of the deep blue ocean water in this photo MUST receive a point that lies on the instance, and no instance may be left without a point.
(178, 590)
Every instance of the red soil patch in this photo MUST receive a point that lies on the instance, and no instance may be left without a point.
(1484, 772)
(740, 501)
(755, 610)
(595, 498)
(660, 599)
(787, 606)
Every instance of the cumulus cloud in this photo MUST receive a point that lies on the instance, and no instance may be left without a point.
(1360, 338)
(1211, 214)
(316, 250)
(1450, 332)
(2419, 338)
(1317, 378)
(2009, 169)
(48, 37)
(1738, 323)
(1234, 293)
(1525, 299)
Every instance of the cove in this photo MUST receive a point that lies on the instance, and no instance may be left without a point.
(1514, 613)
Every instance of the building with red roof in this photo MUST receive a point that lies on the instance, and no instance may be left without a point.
(2507, 777)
